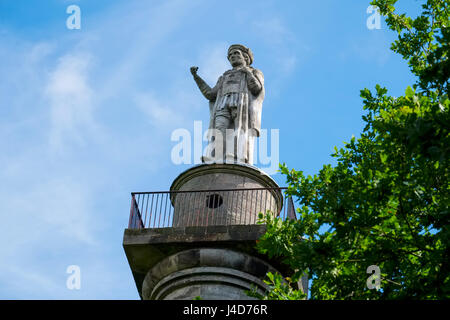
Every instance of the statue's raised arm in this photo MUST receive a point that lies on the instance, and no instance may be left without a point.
(206, 90)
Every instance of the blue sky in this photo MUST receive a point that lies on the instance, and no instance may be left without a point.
(86, 115)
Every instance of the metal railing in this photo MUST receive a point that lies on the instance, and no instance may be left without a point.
(166, 209)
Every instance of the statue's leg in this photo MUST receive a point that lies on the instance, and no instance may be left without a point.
(222, 123)
(240, 137)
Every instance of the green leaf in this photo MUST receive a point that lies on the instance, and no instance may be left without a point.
(409, 92)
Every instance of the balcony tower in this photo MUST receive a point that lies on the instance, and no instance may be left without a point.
(198, 239)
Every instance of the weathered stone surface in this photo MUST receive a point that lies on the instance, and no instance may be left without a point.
(210, 273)
(147, 248)
(195, 208)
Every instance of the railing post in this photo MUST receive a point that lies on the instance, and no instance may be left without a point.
(131, 211)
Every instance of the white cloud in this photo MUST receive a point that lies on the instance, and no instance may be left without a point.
(28, 281)
(157, 111)
(45, 206)
(32, 208)
(47, 219)
(39, 52)
(71, 104)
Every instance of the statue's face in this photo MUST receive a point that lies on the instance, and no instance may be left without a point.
(236, 58)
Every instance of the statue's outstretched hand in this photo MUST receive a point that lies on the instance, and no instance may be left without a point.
(194, 70)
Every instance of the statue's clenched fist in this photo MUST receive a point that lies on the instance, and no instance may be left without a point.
(194, 70)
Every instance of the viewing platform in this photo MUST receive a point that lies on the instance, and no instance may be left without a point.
(199, 238)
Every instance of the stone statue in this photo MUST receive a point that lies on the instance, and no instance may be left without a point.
(235, 105)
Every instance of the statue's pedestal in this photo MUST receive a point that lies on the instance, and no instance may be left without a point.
(223, 194)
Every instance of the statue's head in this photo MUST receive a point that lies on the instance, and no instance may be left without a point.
(239, 55)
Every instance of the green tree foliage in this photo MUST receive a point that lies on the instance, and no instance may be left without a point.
(423, 41)
(278, 289)
(386, 201)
